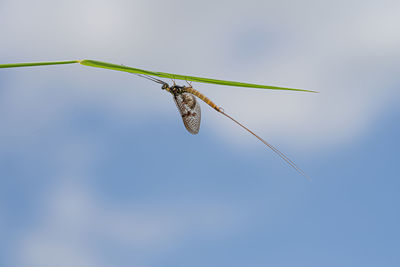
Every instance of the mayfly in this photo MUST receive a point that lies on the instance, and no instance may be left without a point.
(189, 109)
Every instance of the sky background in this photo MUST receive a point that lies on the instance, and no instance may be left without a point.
(97, 169)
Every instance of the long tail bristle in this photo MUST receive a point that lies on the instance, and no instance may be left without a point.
(279, 153)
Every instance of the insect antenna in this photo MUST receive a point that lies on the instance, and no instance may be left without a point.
(151, 78)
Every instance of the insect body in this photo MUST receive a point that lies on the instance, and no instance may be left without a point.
(189, 108)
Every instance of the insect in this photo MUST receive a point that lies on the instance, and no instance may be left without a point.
(189, 108)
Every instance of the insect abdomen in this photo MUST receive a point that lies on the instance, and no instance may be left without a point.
(202, 97)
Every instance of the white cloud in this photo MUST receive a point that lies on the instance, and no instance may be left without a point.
(345, 49)
(75, 227)
(42, 250)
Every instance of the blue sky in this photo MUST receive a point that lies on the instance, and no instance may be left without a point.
(97, 169)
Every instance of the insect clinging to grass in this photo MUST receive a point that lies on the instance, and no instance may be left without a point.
(189, 109)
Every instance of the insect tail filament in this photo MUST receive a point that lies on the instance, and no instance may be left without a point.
(279, 153)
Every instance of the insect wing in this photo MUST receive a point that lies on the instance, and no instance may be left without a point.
(190, 111)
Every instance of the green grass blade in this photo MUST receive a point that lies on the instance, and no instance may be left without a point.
(31, 64)
(105, 65)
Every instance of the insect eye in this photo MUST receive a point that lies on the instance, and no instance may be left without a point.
(164, 86)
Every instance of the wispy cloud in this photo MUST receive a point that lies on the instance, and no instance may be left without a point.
(348, 54)
(76, 227)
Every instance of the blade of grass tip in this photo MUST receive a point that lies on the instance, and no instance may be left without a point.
(33, 64)
(105, 65)
(228, 83)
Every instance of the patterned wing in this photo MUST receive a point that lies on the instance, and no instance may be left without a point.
(190, 111)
